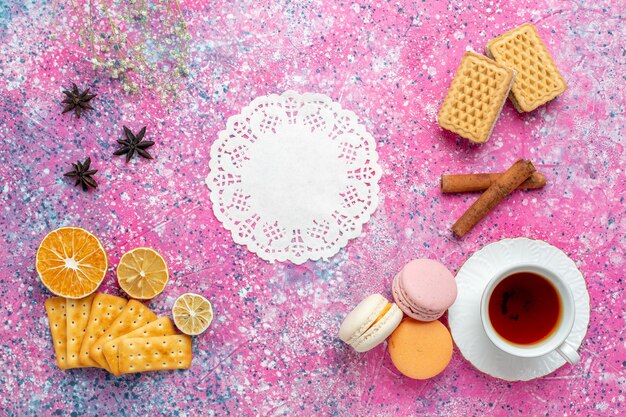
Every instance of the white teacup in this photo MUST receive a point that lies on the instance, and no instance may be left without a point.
(557, 339)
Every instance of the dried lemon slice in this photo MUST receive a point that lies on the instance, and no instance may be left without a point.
(142, 273)
(71, 262)
(192, 313)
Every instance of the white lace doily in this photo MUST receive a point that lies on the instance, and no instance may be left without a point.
(294, 177)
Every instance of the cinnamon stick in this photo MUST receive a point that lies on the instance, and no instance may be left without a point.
(502, 187)
(462, 183)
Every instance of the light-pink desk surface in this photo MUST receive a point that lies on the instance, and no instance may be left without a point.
(272, 349)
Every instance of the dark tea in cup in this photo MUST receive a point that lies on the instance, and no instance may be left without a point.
(524, 308)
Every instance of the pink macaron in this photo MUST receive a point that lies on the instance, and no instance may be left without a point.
(424, 289)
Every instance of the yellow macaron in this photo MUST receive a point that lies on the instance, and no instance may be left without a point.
(420, 350)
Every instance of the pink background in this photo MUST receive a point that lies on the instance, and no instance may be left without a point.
(272, 349)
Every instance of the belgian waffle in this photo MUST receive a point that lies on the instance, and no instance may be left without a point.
(538, 79)
(475, 97)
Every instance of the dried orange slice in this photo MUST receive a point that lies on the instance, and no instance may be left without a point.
(71, 262)
(142, 273)
(192, 313)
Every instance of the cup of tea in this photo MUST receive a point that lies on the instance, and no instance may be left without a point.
(528, 311)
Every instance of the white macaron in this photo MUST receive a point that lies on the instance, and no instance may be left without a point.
(370, 323)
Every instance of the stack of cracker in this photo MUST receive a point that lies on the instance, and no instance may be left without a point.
(109, 332)
(519, 66)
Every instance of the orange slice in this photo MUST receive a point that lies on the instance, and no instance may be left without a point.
(71, 262)
(142, 273)
(192, 313)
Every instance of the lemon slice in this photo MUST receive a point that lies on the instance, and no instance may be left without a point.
(142, 273)
(71, 262)
(192, 313)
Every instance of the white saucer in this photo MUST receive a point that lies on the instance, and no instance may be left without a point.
(464, 315)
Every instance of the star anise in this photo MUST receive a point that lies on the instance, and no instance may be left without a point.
(83, 174)
(77, 101)
(134, 143)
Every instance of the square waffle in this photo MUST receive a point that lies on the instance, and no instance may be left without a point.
(475, 97)
(538, 79)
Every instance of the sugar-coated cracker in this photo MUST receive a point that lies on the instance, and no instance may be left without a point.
(77, 317)
(475, 98)
(134, 315)
(139, 354)
(538, 79)
(159, 327)
(104, 310)
(55, 307)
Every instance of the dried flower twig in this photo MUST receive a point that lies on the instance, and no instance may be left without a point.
(143, 43)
